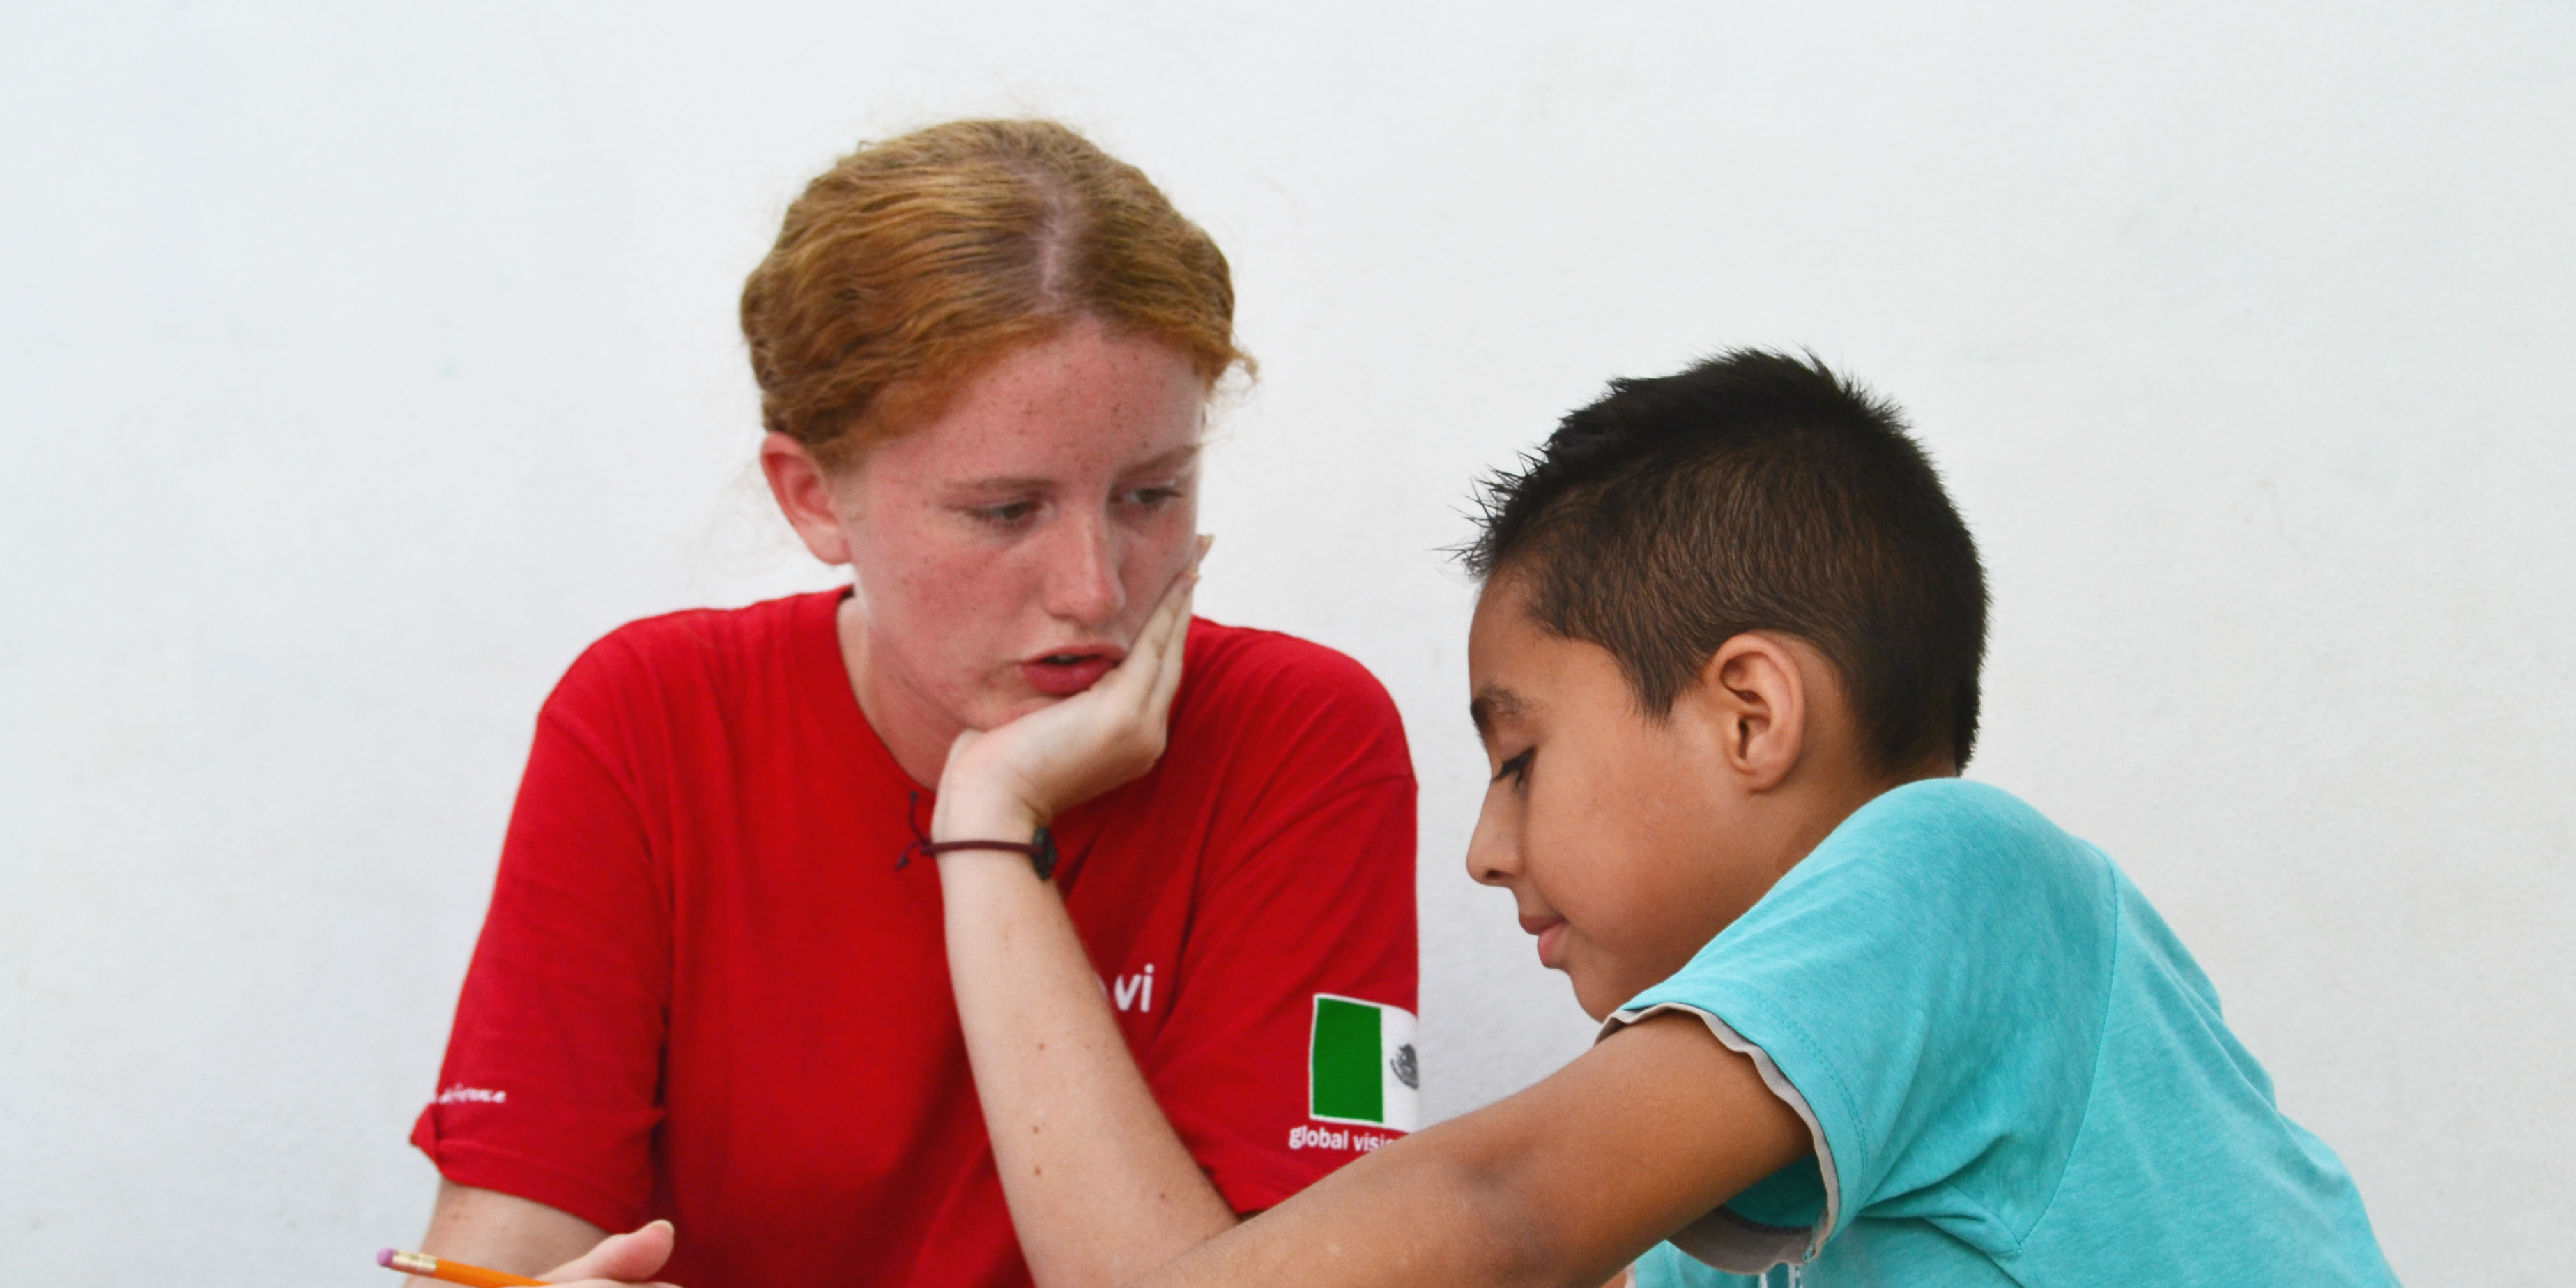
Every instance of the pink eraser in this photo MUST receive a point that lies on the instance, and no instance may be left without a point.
(385, 1258)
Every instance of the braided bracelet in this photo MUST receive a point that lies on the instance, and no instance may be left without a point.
(1041, 851)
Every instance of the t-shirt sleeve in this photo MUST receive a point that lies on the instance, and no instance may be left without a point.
(1666, 1266)
(1312, 897)
(550, 1086)
(1928, 987)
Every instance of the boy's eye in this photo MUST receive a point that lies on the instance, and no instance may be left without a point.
(1516, 768)
(1160, 494)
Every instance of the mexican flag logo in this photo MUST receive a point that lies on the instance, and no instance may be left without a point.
(1360, 1065)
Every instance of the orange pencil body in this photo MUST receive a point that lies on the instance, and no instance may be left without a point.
(455, 1272)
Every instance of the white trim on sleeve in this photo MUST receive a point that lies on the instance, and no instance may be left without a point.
(1721, 1239)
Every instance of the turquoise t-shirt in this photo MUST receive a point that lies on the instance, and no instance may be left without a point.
(2013, 1071)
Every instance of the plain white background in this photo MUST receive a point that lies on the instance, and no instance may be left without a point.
(359, 364)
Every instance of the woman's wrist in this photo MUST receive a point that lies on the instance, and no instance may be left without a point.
(977, 817)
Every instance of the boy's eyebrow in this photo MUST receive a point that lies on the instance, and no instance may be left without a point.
(1494, 701)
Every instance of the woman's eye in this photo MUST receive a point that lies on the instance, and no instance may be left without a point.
(1516, 768)
(1005, 515)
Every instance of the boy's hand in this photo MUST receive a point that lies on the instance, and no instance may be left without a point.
(1028, 771)
(629, 1258)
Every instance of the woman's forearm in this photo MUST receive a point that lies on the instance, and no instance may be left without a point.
(504, 1231)
(1100, 1188)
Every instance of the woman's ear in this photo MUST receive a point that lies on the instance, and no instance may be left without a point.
(804, 495)
(1757, 696)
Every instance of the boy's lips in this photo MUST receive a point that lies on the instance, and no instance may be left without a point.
(1549, 930)
(1071, 671)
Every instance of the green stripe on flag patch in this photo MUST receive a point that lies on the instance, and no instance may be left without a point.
(1360, 1064)
(1344, 1062)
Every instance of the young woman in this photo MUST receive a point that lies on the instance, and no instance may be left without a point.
(744, 969)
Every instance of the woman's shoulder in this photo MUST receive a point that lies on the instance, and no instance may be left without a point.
(1246, 661)
(703, 647)
(1271, 685)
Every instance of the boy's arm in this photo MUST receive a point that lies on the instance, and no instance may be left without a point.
(1562, 1184)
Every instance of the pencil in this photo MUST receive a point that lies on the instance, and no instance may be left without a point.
(455, 1272)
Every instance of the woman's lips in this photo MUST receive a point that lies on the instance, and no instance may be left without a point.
(1549, 930)
(1062, 675)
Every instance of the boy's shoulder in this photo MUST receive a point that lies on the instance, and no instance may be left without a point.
(1989, 1030)
(1938, 887)
(1946, 814)
(1949, 843)
(1939, 965)
(1940, 868)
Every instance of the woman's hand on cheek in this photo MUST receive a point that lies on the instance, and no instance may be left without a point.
(629, 1258)
(1054, 758)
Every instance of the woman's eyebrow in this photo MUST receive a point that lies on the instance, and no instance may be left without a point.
(1001, 483)
(1177, 458)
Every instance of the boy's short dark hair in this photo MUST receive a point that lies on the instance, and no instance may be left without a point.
(1753, 492)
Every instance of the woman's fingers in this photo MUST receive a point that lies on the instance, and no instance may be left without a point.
(1172, 616)
(1142, 681)
(1167, 679)
(1170, 624)
(1170, 631)
(629, 1258)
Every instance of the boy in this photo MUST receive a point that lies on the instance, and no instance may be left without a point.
(1866, 1023)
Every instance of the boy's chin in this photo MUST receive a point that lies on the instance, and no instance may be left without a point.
(1594, 995)
(1602, 989)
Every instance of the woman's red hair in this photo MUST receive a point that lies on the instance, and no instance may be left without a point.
(914, 263)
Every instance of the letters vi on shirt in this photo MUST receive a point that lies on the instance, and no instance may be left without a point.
(1132, 992)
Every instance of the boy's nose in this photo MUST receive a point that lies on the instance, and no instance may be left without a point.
(1493, 849)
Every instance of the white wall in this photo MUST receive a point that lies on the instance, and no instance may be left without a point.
(357, 367)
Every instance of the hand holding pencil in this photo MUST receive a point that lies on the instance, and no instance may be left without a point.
(620, 1259)
(454, 1272)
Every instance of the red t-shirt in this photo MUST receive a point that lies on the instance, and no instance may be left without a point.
(706, 990)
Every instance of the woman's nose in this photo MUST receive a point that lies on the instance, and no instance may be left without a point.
(1082, 582)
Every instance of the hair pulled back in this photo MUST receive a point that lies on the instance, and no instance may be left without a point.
(1755, 491)
(915, 262)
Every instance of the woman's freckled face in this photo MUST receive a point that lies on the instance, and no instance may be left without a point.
(1009, 551)
(1611, 830)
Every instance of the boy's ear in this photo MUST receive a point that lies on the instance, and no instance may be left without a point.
(804, 495)
(1757, 696)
